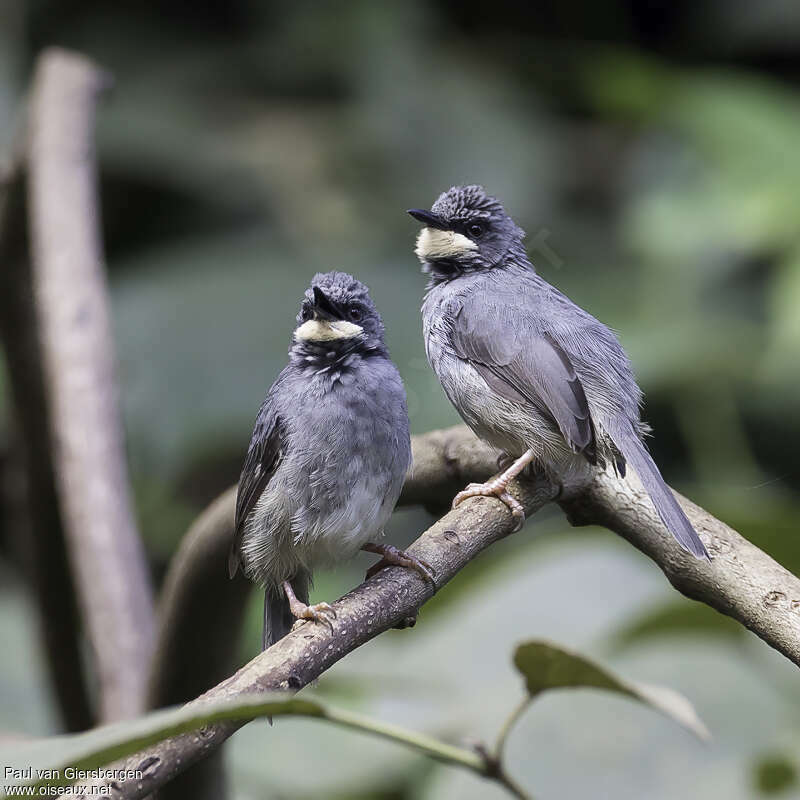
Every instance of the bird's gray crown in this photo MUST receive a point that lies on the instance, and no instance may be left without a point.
(462, 202)
(340, 287)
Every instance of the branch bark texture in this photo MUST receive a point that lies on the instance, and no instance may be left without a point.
(741, 580)
(74, 327)
(29, 490)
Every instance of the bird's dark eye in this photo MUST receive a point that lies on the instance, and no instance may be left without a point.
(354, 313)
(475, 230)
(306, 313)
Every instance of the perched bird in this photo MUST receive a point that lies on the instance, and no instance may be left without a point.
(328, 456)
(528, 370)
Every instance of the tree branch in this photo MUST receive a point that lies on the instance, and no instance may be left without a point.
(740, 581)
(76, 339)
(199, 604)
(444, 461)
(28, 483)
(380, 603)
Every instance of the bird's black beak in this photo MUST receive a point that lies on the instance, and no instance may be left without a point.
(324, 307)
(428, 218)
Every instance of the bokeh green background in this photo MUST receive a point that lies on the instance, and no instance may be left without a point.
(651, 154)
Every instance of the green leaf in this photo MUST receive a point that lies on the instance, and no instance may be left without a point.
(545, 665)
(108, 743)
(44, 762)
(774, 773)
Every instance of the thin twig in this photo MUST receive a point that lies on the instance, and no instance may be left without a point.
(513, 787)
(509, 723)
(428, 745)
(477, 760)
(495, 769)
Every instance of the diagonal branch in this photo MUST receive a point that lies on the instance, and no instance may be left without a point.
(741, 581)
(200, 609)
(380, 603)
(72, 317)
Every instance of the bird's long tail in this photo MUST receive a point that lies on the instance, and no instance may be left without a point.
(672, 515)
(278, 619)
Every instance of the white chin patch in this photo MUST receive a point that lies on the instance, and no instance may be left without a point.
(319, 330)
(433, 244)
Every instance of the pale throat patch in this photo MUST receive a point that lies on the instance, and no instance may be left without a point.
(433, 243)
(320, 330)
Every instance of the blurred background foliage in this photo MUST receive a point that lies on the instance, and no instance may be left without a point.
(650, 151)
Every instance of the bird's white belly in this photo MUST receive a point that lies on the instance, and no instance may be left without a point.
(340, 534)
(283, 534)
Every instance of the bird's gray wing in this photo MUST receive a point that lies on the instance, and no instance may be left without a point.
(263, 457)
(522, 364)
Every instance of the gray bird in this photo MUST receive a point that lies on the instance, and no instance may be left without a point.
(328, 456)
(528, 370)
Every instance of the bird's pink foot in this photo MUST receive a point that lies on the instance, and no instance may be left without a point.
(494, 488)
(319, 612)
(498, 487)
(393, 556)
